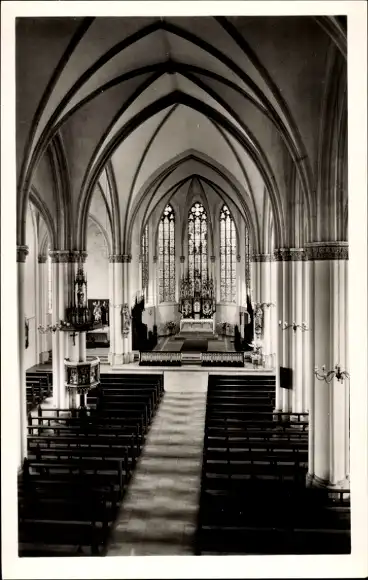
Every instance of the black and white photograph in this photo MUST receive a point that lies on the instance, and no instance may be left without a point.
(195, 171)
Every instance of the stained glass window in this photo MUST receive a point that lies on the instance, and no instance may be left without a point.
(144, 262)
(197, 243)
(166, 255)
(49, 283)
(227, 256)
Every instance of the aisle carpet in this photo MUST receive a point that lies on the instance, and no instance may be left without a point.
(195, 345)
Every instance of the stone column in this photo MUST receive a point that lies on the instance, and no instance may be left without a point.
(116, 278)
(154, 283)
(238, 283)
(22, 252)
(273, 312)
(285, 345)
(265, 295)
(279, 314)
(111, 312)
(43, 304)
(329, 402)
(57, 377)
(261, 269)
(297, 291)
(127, 335)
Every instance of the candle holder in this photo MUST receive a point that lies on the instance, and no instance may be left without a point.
(328, 376)
(303, 326)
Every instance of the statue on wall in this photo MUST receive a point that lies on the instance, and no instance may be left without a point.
(125, 319)
(258, 320)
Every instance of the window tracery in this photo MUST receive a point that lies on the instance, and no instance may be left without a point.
(166, 255)
(227, 256)
(197, 244)
(144, 262)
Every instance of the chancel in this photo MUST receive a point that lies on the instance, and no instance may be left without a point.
(192, 172)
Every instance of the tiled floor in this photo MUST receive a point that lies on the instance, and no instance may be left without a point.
(158, 514)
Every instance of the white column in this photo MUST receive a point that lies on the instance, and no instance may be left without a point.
(155, 281)
(330, 400)
(82, 347)
(22, 252)
(279, 313)
(43, 307)
(297, 316)
(111, 311)
(63, 336)
(307, 365)
(117, 265)
(265, 297)
(273, 313)
(286, 334)
(239, 279)
(311, 391)
(56, 376)
(127, 285)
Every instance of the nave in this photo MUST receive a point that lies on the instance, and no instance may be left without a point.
(183, 285)
(202, 467)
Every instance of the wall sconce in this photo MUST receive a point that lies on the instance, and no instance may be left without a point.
(328, 376)
(257, 305)
(303, 326)
(53, 327)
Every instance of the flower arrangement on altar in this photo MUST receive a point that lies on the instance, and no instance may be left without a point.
(257, 354)
(170, 326)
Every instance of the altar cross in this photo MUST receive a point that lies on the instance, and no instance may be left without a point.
(73, 335)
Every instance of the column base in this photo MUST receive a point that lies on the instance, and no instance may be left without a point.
(128, 357)
(313, 480)
(117, 359)
(110, 358)
(44, 357)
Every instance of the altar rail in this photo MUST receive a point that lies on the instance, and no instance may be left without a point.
(226, 359)
(160, 358)
(166, 358)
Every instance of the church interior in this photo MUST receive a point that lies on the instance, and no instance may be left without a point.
(182, 286)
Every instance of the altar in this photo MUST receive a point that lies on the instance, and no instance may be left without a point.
(200, 325)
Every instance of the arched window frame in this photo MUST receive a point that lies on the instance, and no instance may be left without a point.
(166, 255)
(228, 253)
(145, 262)
(198, 242)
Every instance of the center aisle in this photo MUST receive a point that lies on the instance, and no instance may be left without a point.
(159, 513)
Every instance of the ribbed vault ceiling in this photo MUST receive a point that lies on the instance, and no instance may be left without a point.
(234, 101)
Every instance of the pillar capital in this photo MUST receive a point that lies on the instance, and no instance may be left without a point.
(238, 258)
(116, 258)
(261, 258)
(327, 251)
(155, 259)
(22, 253)
(42, 259)
(182, 259)
(127, 258)
(289, 255)
(213, 258)
(68, 256)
